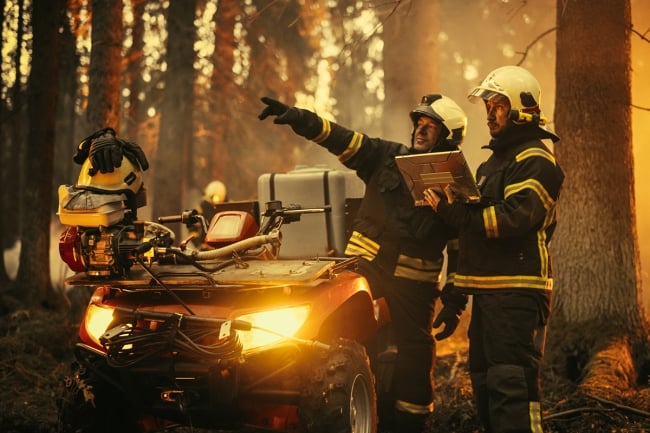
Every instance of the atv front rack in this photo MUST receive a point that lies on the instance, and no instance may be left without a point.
(238, 276)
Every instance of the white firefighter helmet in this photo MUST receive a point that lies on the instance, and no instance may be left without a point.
(523, 92)
(215, 192)
(444, 110)
(126, 178)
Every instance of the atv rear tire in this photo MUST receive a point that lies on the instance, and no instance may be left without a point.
(340, 395)
(88, 405)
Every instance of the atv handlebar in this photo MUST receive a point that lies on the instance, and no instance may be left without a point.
(187, 217)
(299, 211)
(275, 216)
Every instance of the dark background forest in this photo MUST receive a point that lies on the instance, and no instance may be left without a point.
(183, 79)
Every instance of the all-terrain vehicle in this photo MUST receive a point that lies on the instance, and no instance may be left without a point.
(232, 337)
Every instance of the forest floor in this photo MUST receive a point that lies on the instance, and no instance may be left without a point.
(36, 351)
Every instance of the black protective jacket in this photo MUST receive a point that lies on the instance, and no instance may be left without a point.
(504, 240)
(389, 230)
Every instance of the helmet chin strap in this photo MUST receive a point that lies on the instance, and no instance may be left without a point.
(442, 144)
(520, 117)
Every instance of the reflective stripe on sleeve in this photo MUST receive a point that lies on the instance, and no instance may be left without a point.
(325, 132)
(362, 246)
(490, 222)
(353, 147)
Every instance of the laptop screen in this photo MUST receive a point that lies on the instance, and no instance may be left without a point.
(437, 170)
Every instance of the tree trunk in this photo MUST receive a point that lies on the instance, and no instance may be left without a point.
(597, 268)
(33, 281)
(10, 127)
(105, 65)
(223, 97)
(134, 72)
(410, 62)
(171, 169)
(66, 137)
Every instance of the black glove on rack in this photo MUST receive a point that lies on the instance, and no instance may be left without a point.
(83, 149)
(105, 153)
(135, 154)
(453, 305)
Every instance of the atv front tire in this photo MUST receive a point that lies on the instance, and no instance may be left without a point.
(89, 405)
(340, 395)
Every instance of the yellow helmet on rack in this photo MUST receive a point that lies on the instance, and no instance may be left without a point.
(126, 178)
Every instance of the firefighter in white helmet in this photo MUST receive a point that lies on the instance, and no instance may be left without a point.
(399, 245)
(504, 257)
(215, 192)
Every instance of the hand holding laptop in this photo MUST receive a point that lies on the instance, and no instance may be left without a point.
(433, 197)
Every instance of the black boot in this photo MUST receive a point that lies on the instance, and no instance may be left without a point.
(514, 401)
(481, 399)
(410, 422)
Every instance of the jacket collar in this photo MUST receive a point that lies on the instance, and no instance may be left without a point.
(514, 135)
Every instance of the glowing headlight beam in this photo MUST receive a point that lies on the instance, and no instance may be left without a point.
(270, 327)
(97, 321)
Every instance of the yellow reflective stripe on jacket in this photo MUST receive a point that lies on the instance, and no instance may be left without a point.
(534, 185)
(503, 282)
(534, 151)
(353, 147)
(417, 409)
(549, 205)
(362, 246)
(325, 132)
(489, 213)
(418, 269)
(543, 252)
(490, 222)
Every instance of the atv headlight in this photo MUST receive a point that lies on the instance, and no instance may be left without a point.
(97, 321)
(269, 327)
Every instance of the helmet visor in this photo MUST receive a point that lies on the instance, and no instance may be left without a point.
(482, 94)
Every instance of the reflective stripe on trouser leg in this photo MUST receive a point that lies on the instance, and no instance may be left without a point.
(416, 409)
(514, 404)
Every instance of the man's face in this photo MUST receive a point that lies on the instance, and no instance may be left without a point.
(498, 110)
(426, 134)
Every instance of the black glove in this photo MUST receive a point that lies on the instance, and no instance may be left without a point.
(83, 149)
(453, 305)
(105, 153)
(303, 122)
(135, 154)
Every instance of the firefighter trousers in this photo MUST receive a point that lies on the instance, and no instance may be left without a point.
(507, 333)
(411, 304)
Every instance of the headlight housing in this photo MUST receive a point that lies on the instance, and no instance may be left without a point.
(97, 321)
(271, 326)
(266, 327)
